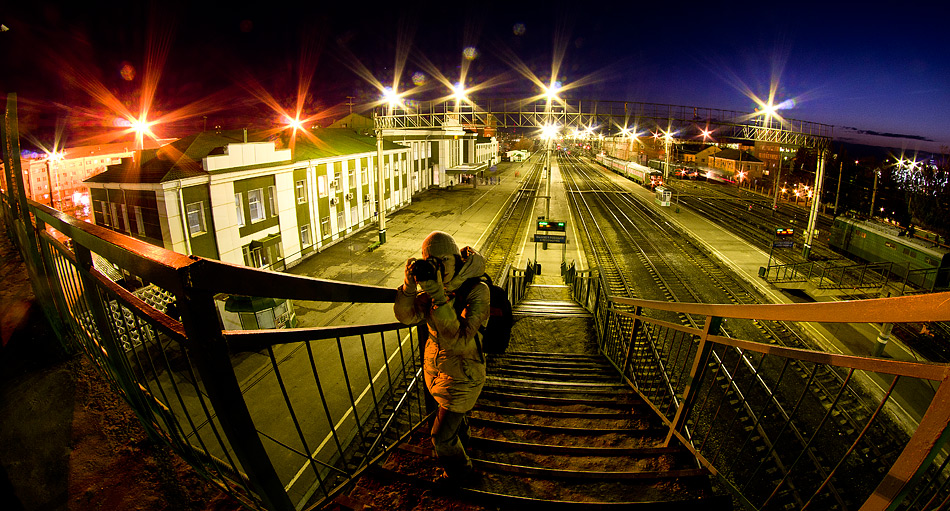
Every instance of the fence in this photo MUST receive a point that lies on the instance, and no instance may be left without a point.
(787, 428)
(281, 419)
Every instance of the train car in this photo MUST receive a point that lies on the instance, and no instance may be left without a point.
(882, 243)
(632, 171)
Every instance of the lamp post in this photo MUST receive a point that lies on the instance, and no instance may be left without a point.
(390, 96)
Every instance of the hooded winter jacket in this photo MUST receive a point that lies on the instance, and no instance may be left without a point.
(454, 368)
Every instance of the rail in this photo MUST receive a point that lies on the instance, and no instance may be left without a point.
(718, 395)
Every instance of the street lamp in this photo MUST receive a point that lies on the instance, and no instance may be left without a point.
(390, 97)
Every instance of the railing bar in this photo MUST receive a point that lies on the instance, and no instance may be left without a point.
(311, 459)
(807, 447)
(788, 420)
(937, 490)
(709, 392)
(382, 341)
(371, 381)
(208, 417)
(730, 384)
(349, 391)
(323, 400)
(293, 417)
(857, 440)
(758, 419)
(735, 419)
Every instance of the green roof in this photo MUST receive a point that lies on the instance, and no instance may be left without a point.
(182, 158)
(330, 142)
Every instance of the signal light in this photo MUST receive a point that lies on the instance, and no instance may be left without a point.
(784, 231)
(551, 226)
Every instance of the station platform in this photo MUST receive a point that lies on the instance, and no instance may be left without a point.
(468, 212)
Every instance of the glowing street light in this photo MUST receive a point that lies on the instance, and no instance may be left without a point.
(294, 123)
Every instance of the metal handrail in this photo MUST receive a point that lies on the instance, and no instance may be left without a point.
(700, 387)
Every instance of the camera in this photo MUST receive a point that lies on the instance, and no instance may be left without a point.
(425, 269)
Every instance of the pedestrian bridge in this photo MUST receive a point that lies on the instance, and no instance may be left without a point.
(292, 418)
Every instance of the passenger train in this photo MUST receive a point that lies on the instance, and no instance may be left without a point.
(927, 262)
(634, 171)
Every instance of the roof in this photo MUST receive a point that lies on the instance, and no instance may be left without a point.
(330, 142)
(183, 158)
(734, 154)
(178, 160)
(354, 121)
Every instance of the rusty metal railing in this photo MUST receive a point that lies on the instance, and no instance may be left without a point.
(786, 427)
(280, 419)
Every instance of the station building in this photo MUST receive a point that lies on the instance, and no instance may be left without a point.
(263, 203)
(244, 201)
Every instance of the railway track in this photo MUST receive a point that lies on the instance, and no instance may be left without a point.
(502, 243)
(818, 386)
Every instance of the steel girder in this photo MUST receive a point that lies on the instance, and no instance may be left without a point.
(608, 117)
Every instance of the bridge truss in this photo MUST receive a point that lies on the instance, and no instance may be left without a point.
(608, 118)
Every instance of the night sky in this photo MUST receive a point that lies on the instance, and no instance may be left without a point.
(879, 75)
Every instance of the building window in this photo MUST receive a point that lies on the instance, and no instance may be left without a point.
(255, 204)
(352, 179)
(272, 200)
(139, 220)
(322, 186)
(305, 239)
(336, 181)
(105, 214)
(301, 190)
(239, 208)
(325, 226)
(252, 257)
(196, 218)
(363, 174)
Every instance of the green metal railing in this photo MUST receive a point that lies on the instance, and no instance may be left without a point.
(786, 427)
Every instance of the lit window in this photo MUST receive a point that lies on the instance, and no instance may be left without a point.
(255, 204)
(322, 185)
(301, 189)
(272, 200)
(239, 208)
(325, 226)
(305, 239)
(196, 218)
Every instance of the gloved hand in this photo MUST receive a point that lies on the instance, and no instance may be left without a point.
(409, 285)
(435, 289)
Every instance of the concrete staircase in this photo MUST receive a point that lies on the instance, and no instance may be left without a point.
(554, 428)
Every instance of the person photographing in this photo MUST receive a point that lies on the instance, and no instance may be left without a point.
(453, 363)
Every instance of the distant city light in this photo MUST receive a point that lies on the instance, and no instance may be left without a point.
(470, 53)
(518, 29)
(418, 79)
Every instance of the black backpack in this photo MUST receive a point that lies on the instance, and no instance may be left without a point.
(497, 333)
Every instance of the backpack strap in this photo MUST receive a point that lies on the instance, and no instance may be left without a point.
(461, 295)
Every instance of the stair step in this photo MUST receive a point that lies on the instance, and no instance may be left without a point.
(572, 450)
(567, 414)
(551, 400)
(502, 425)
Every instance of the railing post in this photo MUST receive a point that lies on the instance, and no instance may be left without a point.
(55, 308)
(634, 331)
(108, 342)
(695, 376)
(209, 351)
(931, 436)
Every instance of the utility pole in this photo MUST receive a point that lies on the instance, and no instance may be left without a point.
(816, 199)
(873, 194)
(778, 177)
(838, 193)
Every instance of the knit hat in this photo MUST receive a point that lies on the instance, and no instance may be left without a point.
(439, 244)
